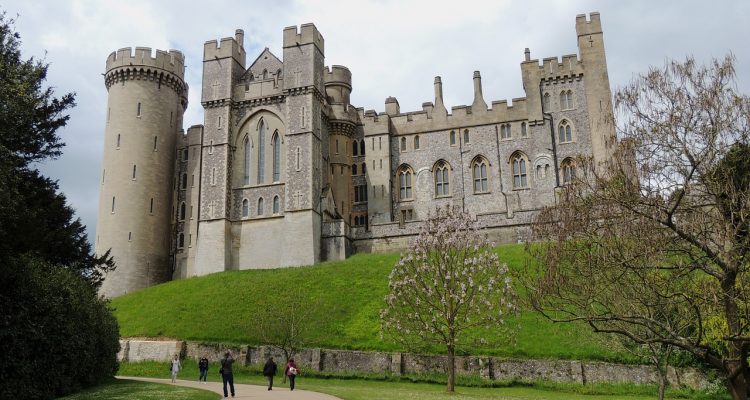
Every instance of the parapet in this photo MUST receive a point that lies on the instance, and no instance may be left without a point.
(172, 61)
(594, 25)
(308, 34)
(227, 47)
(338, 75)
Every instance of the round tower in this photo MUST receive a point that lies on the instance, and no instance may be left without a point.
(338, 86)
(147, 96)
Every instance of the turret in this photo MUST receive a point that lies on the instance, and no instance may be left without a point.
(338, 84)
(147, 96)
(439, 109)
(479, 104)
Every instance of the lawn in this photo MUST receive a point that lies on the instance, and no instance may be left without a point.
(425, 387)
(347, 296)
(134, 390)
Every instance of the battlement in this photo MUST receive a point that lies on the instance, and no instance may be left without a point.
(338, 75)
(228, 47)
(592, 26)
(172, 61)
(307, 34)
(554, 67)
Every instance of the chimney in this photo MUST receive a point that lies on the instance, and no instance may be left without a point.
(239, 36)
(391, 106)
(527, 54)
(439, 106)
(479, 104)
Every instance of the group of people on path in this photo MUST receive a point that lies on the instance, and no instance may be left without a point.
(227, 375)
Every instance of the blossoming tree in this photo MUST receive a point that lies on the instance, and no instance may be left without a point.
(451, 281)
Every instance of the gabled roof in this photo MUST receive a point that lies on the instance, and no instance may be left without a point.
(265, 61)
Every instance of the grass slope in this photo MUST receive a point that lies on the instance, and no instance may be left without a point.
(348, 294)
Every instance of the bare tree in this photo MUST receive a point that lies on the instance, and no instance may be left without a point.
(662, 230)
(450, 282)
(285, 324)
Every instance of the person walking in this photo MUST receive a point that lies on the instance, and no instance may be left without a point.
(291, 372)
(203, 368)
(269, 370)
(226, 373)
(176, 366)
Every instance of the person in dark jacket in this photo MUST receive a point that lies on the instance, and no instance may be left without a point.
(291, 372)
(226, 373)
(203, 368)
(269, 370)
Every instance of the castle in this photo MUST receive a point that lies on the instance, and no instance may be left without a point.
(285, 171)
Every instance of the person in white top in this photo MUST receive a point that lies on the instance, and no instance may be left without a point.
(176, 366)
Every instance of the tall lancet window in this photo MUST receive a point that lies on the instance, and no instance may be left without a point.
(261, 151)
(276, 157)
(246, 164)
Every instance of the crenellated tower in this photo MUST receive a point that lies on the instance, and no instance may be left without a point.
(147, 96)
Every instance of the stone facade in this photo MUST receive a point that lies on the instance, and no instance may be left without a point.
(285, 171)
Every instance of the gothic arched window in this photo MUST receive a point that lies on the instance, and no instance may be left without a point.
(276, 156)
(261, 151)
(183, 181)
(546, 102)
(479, 170)
(520, 179)
(354, 169)
(403, 144)
(181, 240)
(245, 208)
(564, 132)
(566, 99)
(183, 211)
(404, 176)
(442, 179)
(364, 168)
(260, 206)
(524, 133)
(276, 205)
(246, 161)
(362, 147)
(416, 142)
(355, 148)
(568, 171)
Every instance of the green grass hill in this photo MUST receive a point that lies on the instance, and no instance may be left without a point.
(348, 296)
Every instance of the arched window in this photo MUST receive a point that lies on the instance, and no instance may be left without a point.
(279, 75)
(466, 136)
(453, 138)
(276, 156)
(479, 171)
(260, 206)
(564, 132)
(520, 179)
(442, 180)
(183, 181)
(246, 161)
(416, 142)
(265, 74)
(183, 211)
(545, 102)
(568, 171)
(185, 155)
(566, 99)
(245, 208)
(276, 205)
(355, 148)
(362, 147)
(181, 240)
(261, 151)
(404, 182)
(364, 168)
(403, 144)
(524, 133)
(505, 132)
(354, 169)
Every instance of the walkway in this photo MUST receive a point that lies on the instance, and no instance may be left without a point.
(243, 391)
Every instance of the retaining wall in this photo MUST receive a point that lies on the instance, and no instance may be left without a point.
(494, 368)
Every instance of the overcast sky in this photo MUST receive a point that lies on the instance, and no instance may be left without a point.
(393, 48)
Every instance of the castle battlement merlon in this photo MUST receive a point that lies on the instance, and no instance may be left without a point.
(228, 47)
(306, 34)
(588, 27)
(172, 61)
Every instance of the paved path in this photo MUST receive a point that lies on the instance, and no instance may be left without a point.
(244, 391)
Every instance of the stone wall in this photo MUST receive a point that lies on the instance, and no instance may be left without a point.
(494, 368)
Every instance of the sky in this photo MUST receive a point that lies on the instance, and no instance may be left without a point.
(392, 47)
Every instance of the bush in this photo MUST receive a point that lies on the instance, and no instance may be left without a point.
(56, 335)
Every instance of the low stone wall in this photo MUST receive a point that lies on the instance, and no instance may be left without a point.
(325, 360)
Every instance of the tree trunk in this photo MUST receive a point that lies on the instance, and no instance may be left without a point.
(451, 369)
(662, 386)
(738, 387)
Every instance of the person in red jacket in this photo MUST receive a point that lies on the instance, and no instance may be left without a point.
(291, 372)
